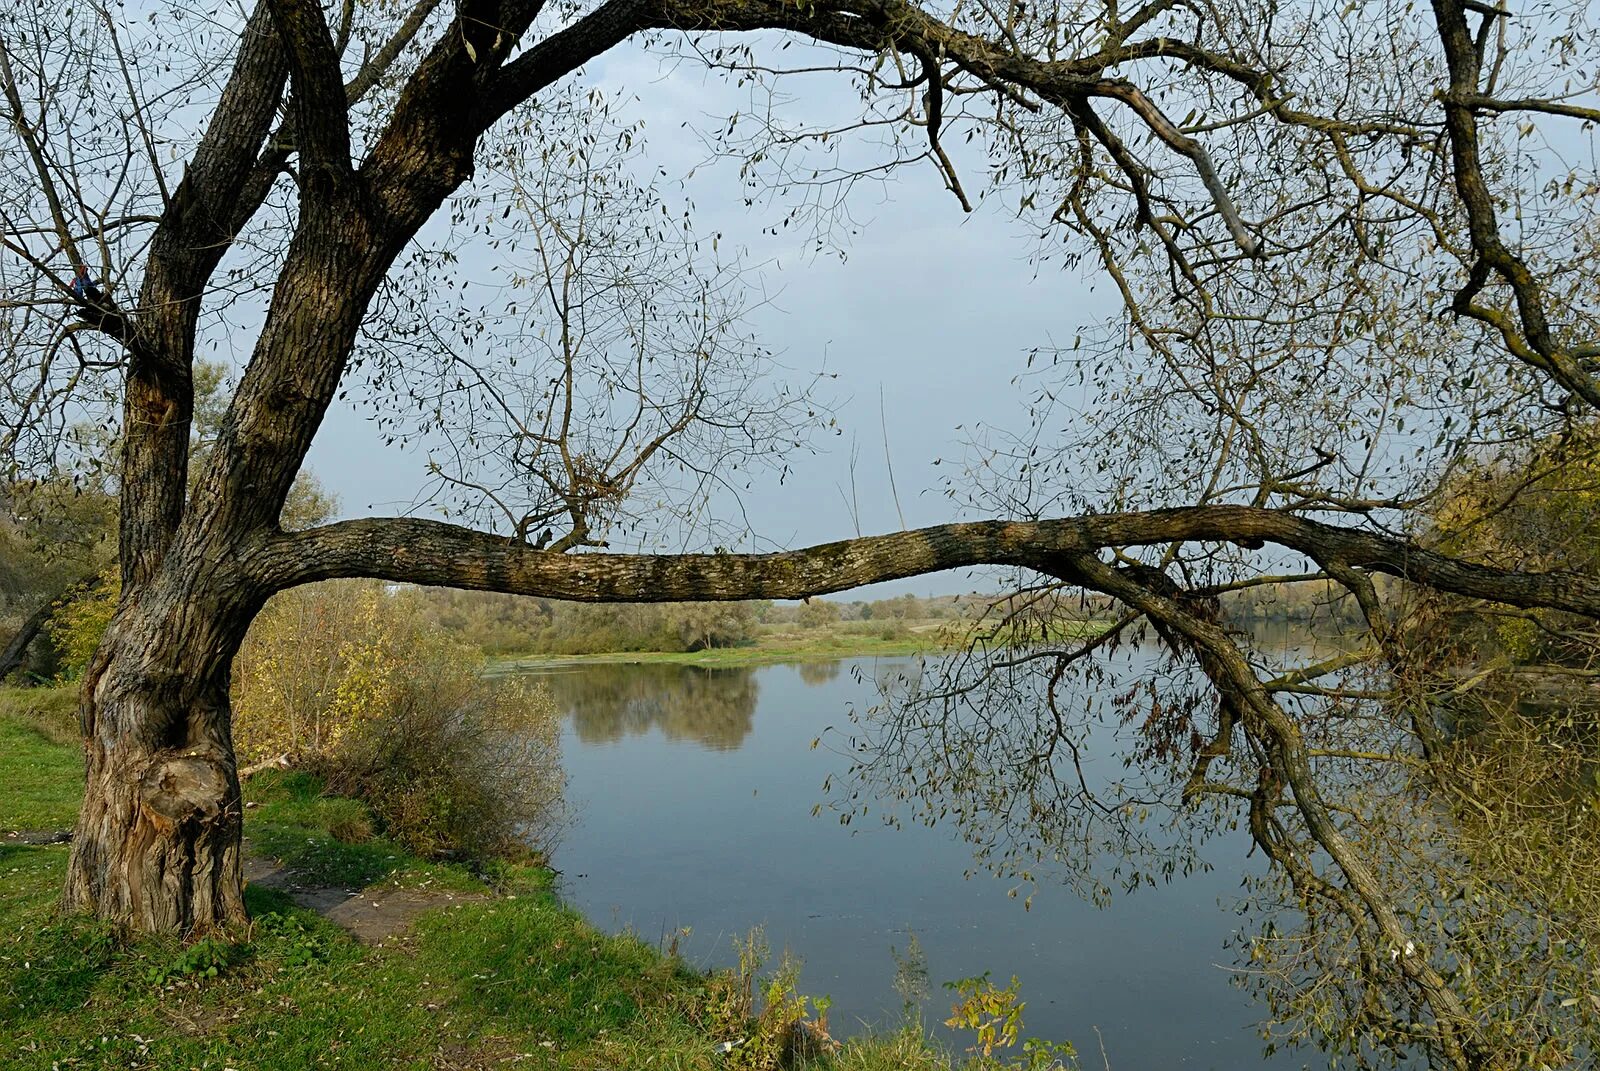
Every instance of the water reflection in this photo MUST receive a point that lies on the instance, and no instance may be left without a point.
(816, 673)
(711, 707)
(675, 829)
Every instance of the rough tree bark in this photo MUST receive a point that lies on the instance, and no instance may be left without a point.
(157, 841)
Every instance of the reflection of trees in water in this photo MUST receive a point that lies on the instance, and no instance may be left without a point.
(713, 707)
(814, 673)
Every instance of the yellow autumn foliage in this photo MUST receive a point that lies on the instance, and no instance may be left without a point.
(79, 621)
(1535, 507)
(357, 683)
(319, 662)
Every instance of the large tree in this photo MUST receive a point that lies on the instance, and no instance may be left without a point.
(1343, 237)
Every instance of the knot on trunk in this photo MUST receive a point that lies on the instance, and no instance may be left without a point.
(184, 787)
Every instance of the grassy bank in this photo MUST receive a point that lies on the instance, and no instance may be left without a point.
(501, 974)
(777, 644)
(41, 775)
(767, 650)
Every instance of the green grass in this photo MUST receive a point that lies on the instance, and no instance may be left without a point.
(468, 988)
(513, 979)
(329, 841)
(43, 776)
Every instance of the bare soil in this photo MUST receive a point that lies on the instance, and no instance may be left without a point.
(372, 915)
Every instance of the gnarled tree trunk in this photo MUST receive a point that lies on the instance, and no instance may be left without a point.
(157, 845)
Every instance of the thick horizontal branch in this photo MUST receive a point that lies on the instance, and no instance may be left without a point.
(432, 552)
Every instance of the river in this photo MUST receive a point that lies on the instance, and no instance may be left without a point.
(692, 793)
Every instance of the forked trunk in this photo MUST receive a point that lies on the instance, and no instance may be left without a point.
(157, 842)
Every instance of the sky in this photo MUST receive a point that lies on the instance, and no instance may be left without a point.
(925, 320)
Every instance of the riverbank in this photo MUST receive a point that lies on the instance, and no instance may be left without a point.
(496, 973)
(774, 645)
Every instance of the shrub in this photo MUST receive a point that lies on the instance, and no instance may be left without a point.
(818, 613)
(457, 765)
(354, 683)
(79, 621)
(316, 663)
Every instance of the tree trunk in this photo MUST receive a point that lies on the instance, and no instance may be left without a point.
(17, 649)
(157, 841)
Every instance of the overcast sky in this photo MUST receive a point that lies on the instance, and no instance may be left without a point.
(932, 307)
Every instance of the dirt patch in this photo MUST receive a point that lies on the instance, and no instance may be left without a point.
(195, 1018)
(36, 836)
(482, 1055)
(371, 915)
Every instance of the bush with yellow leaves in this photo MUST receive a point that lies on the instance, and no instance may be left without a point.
(352, 682)
(79, 620)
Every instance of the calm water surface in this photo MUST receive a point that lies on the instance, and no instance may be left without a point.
(692, 791)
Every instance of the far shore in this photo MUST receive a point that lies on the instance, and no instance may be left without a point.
(780, 645)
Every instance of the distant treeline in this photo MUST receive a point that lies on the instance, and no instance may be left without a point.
(509, 624)
(1314, 604)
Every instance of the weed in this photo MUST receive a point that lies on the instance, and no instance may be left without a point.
(294, 943)
(994, 1013)
(911, 980)
(781, 1033)
(205, 958)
